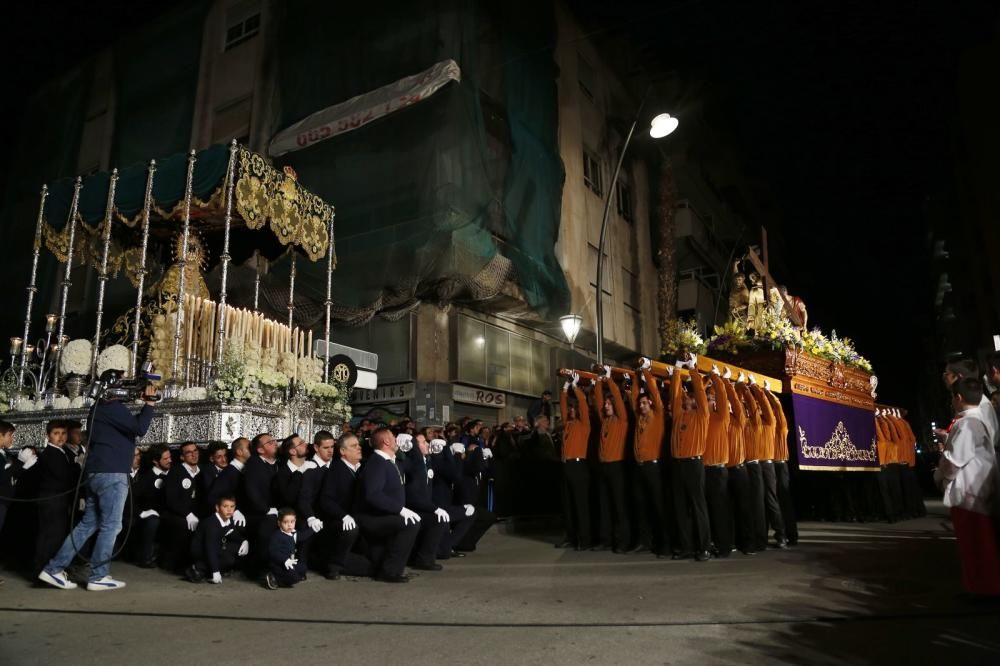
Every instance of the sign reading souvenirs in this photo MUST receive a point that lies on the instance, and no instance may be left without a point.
(479, 396)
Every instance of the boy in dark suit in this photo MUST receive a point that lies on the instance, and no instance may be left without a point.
(58, 474)
(217, 545)
(287, 553)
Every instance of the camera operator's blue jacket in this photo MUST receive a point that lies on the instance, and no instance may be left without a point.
(112, 436)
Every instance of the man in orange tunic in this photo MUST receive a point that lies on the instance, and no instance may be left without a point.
(716, 457)
(772, 510)
(755, 479)
(611, 453)
(913, 501)
(576, 475)
(650, 423)
(781, 473)
(736, 469)
(687, 446)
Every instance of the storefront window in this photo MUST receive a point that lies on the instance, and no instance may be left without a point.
(496, 358)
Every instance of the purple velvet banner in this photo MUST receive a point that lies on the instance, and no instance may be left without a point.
(829, 436)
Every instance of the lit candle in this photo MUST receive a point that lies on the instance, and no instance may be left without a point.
(15, 346)
(50, 323)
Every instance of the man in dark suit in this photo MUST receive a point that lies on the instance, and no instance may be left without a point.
(435, 521)
(257, 502)
(11, 467)
(57, 476)
(381, 512)
(181, 506)
(219, 479)
(147, 498)
(336, 504)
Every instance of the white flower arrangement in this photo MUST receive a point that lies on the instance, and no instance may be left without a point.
(75, 357)
(310, 370)
(235, 382)
(193, 393)
(271, 378)
(115, 357)
(25, 404)
(61, 402)
(323, 391)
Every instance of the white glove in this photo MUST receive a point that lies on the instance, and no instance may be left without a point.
(566, 386)
(670, 370)
(728, 374)
(27, 456)
(645, 363)
(692, 361)
(627, 376)
(575, 377)
(244, 548)
(458, 448)
(607, 371)
(715, 370)
(469, 510)
(81, 459)
(753, 381)
(409, 517)
(437, 445)
(442, 515)
(314, 523)
(239, 519)
(680, 364)
(348, 524)
(767, 387)
(291, 562)
(192, 521)
(147, 513)
(404, 442)
(487, 453)
(216, 578)
(741, 378)
(272, 511)
(82, 505)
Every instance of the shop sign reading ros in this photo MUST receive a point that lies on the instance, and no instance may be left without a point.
(478, 396)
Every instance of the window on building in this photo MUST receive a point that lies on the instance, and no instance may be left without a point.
(592, 172)
(625, 201)
(242, 23)
(585, 76)
(496, 358)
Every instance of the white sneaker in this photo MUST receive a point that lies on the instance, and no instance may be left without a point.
(57, 580)
(106, 583)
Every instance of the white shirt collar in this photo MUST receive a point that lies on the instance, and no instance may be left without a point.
(223, 524)
(237, 464)
(61, 448)
(293, 467)
(318, 462)
(158, 472)
(385, 455)
(350, 466)
(192, 471)
(269, 461)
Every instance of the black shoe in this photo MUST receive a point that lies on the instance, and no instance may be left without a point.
(332, 575)
(793, 542)
(682, 556)
(457, 553)
(393, 579)
(193, 575)
(563, 544)
(579, 547)
(270, 582)
(147, 564)
(749, 553)
(703, 556)
(781, 544)
(600, 546)
(427, 567)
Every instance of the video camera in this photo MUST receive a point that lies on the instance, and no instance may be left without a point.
(112, 386)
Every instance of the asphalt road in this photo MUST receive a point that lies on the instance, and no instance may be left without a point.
(849, 593)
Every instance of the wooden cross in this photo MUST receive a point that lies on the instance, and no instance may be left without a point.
(762, 268)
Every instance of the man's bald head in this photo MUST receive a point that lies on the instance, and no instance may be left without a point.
(384, 440)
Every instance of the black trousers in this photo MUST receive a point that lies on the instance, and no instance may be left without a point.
(390, 542)
(614, 519)
(428, 539)
(337, 545)
(888, 485)
(455, 531)
(576, 501)
(689, 503)
(740, 505)
(142, 538)
(482, 521)
(758, 519)
(717, 499)
(785, 501)
(175, 541)
(772, 509)
(53, 526)
(654, 531)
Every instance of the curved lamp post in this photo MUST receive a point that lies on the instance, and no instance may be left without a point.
(661, 125)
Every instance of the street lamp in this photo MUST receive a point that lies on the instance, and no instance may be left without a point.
(571, 326)
(661, 125)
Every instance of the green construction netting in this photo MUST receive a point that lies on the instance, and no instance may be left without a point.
(419, 194)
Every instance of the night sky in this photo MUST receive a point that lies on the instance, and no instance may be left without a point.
(844, 114)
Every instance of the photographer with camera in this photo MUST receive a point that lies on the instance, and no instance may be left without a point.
(113, 431)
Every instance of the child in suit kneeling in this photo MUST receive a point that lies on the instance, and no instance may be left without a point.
(287, 553)
(218, 545)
